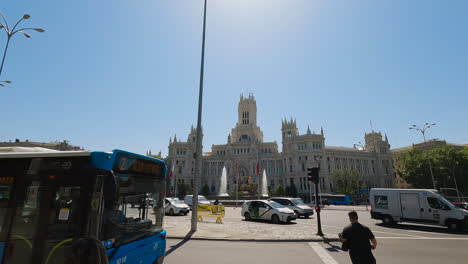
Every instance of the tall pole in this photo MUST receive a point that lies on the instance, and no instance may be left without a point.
(237, 183)
(317, 209)
(430, 163)
(199, 154)
(257, 170)
(4, 54)
(423, 132)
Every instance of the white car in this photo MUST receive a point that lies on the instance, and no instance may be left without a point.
(295, 204)
(174, 206)
(267, 210)
(201, 200)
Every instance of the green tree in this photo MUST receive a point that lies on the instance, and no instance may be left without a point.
(183, 189)
(205, 191)
(414, 168)
(448, 165)
(279, 191)
(347, 181)
(291, 191)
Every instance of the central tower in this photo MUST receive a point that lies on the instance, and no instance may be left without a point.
(246, 129)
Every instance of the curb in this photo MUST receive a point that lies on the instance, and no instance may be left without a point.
(324, 239)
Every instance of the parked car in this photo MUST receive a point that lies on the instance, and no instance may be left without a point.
(417, 206)
(295, 204)
(201, 200)
(174, 206)
(267, 210)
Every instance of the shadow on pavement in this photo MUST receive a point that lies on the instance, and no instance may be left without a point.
(433, 229)
(269, 222)
(331, 247)
(181, 243)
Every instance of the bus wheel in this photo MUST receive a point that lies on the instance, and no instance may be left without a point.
(387, 220)
(171, 212)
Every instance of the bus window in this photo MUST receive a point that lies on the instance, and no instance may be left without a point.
(131, 215)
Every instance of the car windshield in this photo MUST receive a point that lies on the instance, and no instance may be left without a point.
(275, 204)
(298, 201)
(176, 202)
(202, 198)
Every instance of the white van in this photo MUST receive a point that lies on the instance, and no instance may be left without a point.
(417, 206)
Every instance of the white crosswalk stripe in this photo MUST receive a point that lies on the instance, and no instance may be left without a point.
(322, 253)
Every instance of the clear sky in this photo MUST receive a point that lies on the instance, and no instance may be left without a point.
(124, 73)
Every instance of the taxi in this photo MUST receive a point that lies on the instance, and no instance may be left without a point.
(267, 210)
(174, 206)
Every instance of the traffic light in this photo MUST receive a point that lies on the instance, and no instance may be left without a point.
(313, 175)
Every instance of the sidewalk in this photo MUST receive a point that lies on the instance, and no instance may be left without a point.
(235, 228)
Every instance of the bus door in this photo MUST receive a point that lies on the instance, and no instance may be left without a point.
(49, 210)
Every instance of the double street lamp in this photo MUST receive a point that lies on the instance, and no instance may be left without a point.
(10, 33)
(423, 132)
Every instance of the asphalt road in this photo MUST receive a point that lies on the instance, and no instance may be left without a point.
(390, 250)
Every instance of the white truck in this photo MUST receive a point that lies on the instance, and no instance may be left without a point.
(417, 206)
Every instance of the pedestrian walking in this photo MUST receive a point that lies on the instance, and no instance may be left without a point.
(356, 238)
(88, 251)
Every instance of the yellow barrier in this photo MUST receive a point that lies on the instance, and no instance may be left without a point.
(211, 211)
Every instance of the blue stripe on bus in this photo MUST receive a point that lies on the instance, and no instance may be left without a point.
(2, 248)
(147, 250)
(106, 160)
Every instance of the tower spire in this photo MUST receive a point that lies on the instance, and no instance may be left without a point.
(308, 130)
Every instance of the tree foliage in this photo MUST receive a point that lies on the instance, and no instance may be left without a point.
(291, 191)
(279, 191)
(449, 165)
(205, 191)
(347, 181)
(183, 189)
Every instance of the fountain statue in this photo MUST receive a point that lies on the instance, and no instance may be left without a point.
(264, 184)
(223, 184)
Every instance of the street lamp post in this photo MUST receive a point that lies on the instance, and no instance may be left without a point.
(423, 132)
(199, 154)
(10, 33)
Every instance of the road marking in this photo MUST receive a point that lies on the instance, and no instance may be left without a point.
(376, 231)
(322, 253)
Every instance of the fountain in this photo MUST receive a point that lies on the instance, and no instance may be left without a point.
(223, 184)
(264, 184)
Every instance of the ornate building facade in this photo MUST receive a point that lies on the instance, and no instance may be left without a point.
(245, 149)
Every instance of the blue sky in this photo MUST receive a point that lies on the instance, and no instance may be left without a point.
(124, 74)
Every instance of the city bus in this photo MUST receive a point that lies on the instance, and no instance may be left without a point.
(335, 199)
(50, 199)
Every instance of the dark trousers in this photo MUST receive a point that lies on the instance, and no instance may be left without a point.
(362, 257)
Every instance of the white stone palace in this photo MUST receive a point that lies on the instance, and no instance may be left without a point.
(245, 147)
